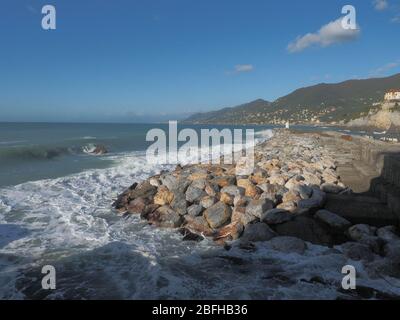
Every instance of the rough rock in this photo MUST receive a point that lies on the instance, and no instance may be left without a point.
(257, 232)
(276, 216)
(165, 217)
(258, 207)
(333, 220)
(240, 214)
(388, 234)
(306, 229)
(194, 194)
(218, 215)
(163, 196)
(195, 210)
(288, 245)
(357, 251)
(359, 231)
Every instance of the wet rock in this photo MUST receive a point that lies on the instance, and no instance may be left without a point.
(218, 215)
(388, 234)
(137, 206)
(190, 236)
(165, 217)
(359, 231)
(391, 251)
(258, 207)
(198, 225)
(306, 229)
(257, 232)
(288, 245)
(194, 194)
(333, 220)
(163, 196)
(276, 216)
(230, 232)
(357, 251)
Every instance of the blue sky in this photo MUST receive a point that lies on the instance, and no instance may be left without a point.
(124, 60)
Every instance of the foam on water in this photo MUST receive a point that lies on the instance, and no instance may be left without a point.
(67, 222)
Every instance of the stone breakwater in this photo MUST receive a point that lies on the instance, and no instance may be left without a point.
(282, 202)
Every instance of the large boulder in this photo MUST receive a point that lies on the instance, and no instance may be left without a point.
(239, 214)
(257, 232)
(218, 215)
(276, 216)
(357, 251)
(194, 194)
(165, 217)
(333, 220)
(306, 229)
(198, 225)
(258, 207)
(288, 245)
(163, 196)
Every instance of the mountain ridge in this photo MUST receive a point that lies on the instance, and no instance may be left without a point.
(323, 102)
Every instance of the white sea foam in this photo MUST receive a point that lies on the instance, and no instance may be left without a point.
(67, 222)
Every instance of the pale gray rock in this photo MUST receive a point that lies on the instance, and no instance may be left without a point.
(258, 207)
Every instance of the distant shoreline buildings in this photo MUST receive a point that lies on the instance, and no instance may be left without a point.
(393, 95)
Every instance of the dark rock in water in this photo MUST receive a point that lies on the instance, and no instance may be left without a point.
(218, 215)
(230, 232)
(137, 206)
(97, 150)
(165, 217)
(359, 231)
(357, 251)
(257, 232)
(288, 245)
(306, 229)
(388, 234)
(190, 236)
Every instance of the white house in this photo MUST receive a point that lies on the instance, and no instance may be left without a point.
(392, 95)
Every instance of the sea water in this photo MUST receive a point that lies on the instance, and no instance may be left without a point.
(55, 209)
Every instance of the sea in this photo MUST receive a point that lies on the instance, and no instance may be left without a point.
(55, 210)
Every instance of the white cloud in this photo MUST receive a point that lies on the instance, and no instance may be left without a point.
(244, 68)
(396, 19)
(380, 5)
(241, 68)
(386, 68)
(327, 35)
